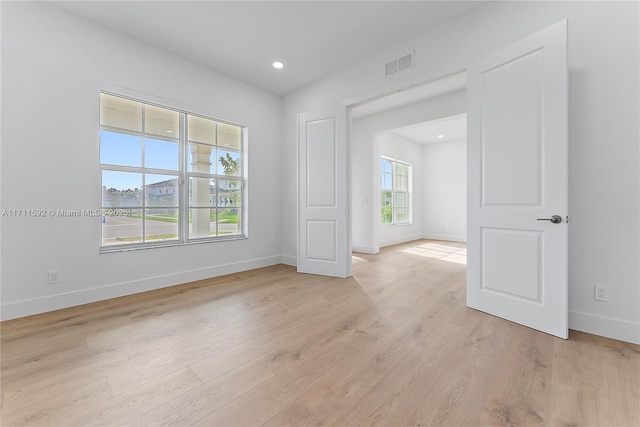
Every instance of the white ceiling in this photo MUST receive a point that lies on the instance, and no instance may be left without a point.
(243, 38)
(453, 128)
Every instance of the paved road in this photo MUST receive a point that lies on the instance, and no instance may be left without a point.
(120, 226)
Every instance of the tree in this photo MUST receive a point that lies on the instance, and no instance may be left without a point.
(230, 165)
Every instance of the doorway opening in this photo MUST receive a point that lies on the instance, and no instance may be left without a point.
(422, 129)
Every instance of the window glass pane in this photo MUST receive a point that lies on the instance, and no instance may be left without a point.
(160, 224)
(402, 199)
(402, 169)
(120, 149)
(385, 166)
(121, 113)
(386, 204)
(121, 189)
(124, 227)
(162, 122)
(229, 136)
(161, 190)
(386, 216)
(229, 222)
(160, 154)
(401, 215)
(202, 222)
(402, 183)
(201, 158)
(386, 198)
(387, 181)
(201, 130)
(202, 192)
(228, 163)
(229, 193)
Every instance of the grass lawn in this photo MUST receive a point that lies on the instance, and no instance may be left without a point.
(227, 217)
(153, 237)
(161, 237)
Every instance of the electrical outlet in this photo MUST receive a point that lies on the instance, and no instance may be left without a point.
(52, 277)
(601, 293)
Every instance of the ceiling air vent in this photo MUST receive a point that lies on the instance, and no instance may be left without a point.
(391, 67)
(404, 62)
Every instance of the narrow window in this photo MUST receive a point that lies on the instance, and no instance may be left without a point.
(395, 203)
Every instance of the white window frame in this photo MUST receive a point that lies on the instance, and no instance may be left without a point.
(183, 174)
(394, 191)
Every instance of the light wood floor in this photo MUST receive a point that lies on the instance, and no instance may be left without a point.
(394, 345)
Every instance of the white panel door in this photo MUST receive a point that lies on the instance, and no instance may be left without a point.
(517, 182)
(323, 240)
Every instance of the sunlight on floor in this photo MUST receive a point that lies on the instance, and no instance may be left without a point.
(357, 260)
(443, 251)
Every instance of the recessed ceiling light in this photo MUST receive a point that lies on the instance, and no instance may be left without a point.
(278, 65)
(169, 131)
(441, 136)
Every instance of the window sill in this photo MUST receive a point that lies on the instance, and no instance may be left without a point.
(123, 248)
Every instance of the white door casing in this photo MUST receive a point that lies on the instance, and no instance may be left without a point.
(517, 174)
(322, 194)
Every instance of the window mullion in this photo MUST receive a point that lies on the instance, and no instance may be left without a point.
(393, 192)
(143, 216)
(215, 159)
(183, 185)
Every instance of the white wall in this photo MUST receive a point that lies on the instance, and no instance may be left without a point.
(603, 135)
(399, 148)
(365, 232)
(53, 66)
(444, 194)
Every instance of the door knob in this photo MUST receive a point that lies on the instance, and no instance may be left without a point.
(555, 219)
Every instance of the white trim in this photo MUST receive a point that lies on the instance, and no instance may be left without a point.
(28, 307)
(609, 327)
(447, 237)
(399, 240)
(289, 260)
(366, 249)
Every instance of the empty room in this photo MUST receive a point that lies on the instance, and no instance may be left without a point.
(234, 213)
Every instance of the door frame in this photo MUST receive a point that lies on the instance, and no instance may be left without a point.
(352, 103)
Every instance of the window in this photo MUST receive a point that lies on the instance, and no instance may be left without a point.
(168, 176)
(394, 192)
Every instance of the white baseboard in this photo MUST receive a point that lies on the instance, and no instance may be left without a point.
(605, 326)
(448, 237)
(289, 260)
(365, 249)
(28, 307)
(399, 240)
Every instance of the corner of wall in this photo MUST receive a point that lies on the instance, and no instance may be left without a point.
(289, 260)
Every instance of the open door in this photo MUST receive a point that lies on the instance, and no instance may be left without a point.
(323, 211)
(517, 182)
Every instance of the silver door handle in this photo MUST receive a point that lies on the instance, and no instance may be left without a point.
(555, 219)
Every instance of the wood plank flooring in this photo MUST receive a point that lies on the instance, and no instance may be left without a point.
(393, 345)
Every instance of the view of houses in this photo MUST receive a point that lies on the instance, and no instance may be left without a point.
(165, 193)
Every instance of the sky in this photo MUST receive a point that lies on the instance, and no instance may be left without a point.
(126, 150)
